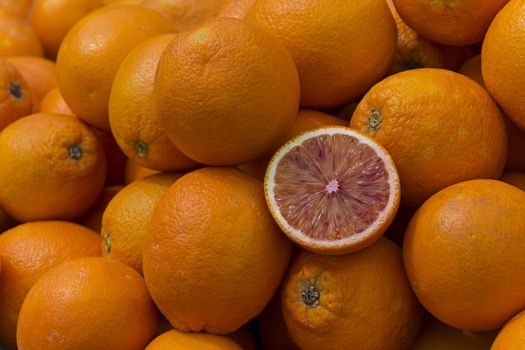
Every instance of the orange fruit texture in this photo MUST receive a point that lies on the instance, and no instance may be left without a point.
(93, 218)
(187, 14)
(133, 117)
(52, 19)
(271, 328)
(413, 51)
(39, 74)
(15, 95)
(92, 52)
(337, 54)
(53, 102)
(28, 251)
(89, 303)
(514, 178)
(439, 127)
(435, 335)
(501, 62)
(208, 217)
(450, 22)
(512, 336)
(210, 125)
(52, 166)
(177, 340)
(333, 302)
(134, 171)
(127, 217)
(15, 8)
(18, 38)
(467, 236)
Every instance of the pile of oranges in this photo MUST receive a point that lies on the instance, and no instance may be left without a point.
(262, 174)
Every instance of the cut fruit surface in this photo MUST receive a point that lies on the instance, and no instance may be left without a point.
(332, 190)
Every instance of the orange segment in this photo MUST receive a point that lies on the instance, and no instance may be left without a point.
(332, 190)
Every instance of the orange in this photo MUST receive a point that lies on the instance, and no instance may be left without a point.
(271, 328)
(39, 74)
(90, 304)
(208, 217)
(436, 335)
(18, 38)
(133, 115)
(466, 236)
(15, 95)
(450, 22)
(205, 93)
(413, 51)
(92, 52)
(187, 14)
(28, 251)
(126, 2)
(52, 19)
(439, 127)
(306, 120)
(51, 167)
(115, 158)
(127, 217)
(472, 69)
(341, 48)
(15, 8)
(512, 335)
(135, 171)
(335, 302)
(501, 62)
(332, 190)
(53, 102)
(93, 218)
(514, 178)
(176, 340)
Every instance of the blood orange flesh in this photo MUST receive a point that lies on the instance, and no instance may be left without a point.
(332, 190)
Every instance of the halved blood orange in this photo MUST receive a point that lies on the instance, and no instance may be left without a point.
(332, 190)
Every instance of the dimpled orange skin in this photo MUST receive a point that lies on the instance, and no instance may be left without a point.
(186, 14)
(135, 122)
(226, 92)
(39, 74)
(439, 127)
(127, 216)
(89, 303)
(357, 292)
(92, 52)
(341, 48)
(466, 236)
(51, 167)
(177, 340)
(28, 251)
(52, 19)
(413, 51)
(512, 335)
(457, 22)
(15, 96)
(501, 62)
(207, 218)
(18, 38)
(93, 218)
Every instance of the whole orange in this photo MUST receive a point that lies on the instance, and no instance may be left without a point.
(187, 14)
(224, 101)
(134, 171)
(28, 251)
(133, 116)
(93, 218)
(208, 217)
(439, 127)
(126, 219)
(341, 48)
(39, 74)
(53, 102)
(18, 38)
(177, 340)
(92, 52)
(90, 304)
(463, 237)
(333, 302)
(501, 62)
(52, 19)
(512, 335)
(51, 167)
(450, 22)
(15, 95)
